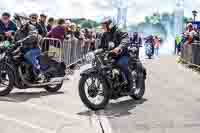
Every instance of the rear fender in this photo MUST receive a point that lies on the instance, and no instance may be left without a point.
(11, 68)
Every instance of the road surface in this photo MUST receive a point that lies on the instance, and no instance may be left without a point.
(171, 105)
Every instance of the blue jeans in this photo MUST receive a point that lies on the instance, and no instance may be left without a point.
(156, 51)
(31, 57)
(123, 64)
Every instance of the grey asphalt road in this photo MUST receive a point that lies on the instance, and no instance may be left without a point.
(170, 105)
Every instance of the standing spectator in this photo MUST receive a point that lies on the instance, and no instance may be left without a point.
(50, 24)
(93, 42)
(178, 40)
(157, 45)
(67, 29)
(77, 32)
(189, 34)
(7, 27)
(73, 29)
(42, 23)
(58, 32)
(34, 25)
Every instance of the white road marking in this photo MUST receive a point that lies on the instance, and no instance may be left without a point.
(47, 109)
(24, 123)
(96, 122)
(104, 121)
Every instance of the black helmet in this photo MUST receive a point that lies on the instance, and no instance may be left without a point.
(33, 15)
(6, 14)
(106, 20)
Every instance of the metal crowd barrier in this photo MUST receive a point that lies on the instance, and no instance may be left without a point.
(68, 51)
(191, 53)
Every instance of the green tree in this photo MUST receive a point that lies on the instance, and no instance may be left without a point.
(87, 24)
(147, 19)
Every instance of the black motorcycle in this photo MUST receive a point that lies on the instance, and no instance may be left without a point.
(105, 81)
(15, 71)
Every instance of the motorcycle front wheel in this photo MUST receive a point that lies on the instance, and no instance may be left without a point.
(6, 82)
(140, 88)
(94, 92)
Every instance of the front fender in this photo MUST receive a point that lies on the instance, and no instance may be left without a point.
(94, 70)
(141, 70)
(89, 72)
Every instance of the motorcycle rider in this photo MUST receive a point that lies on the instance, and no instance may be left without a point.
(121, 41)
(32, 50)
(150, 41)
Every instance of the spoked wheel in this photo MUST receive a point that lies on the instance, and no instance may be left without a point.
(6, 82)
(94, 92)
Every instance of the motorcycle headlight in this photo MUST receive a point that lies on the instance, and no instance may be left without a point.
(2, 56)
(90, 56)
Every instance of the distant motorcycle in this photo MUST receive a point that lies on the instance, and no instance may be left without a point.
(148, 50)
(105, 81)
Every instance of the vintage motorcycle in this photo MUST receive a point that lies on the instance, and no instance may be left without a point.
(105, 81)
(15, 71)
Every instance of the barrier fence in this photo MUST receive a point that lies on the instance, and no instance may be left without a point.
(68, 51)
(191, 53)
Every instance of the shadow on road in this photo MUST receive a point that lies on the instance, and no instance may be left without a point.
(25, 96)
(118, 109)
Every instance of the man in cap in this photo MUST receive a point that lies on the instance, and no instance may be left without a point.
(34, 25)
(42, 23)
(7, 27)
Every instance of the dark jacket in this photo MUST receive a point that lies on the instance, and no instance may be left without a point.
(11, 27)
(49, 27)
(38, 27)
(136, 41)
(120, 39)
(43, 28)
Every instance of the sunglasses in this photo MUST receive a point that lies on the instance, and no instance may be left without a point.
(34, 18)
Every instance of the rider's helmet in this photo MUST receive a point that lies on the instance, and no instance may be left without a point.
(108, 21)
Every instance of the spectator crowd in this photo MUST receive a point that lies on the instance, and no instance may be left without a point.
(190, 35)
(49, 27)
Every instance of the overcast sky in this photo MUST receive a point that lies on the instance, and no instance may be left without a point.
(96, 8)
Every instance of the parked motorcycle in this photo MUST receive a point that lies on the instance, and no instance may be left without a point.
(105, 81)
